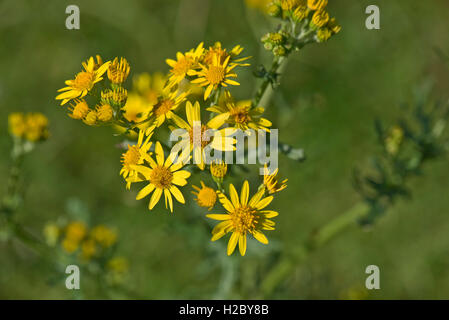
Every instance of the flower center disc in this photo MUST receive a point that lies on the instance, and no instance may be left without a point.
(240, 115)
(161, 177)
(197, 139)
(215, 75)
(181, 67)
(84, 80)
(163, 107)
(244, 219)
(132, 156)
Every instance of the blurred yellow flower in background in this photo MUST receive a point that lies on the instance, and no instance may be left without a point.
(103, 235)
(32, 126)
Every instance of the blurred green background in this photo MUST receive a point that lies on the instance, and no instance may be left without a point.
(329, 98)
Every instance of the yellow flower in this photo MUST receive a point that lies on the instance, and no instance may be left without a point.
(16, 122)
(243, 217)
(104, 112)
(184, 65)
(218, 170)
(205, 196)
(216, 74)
(240, 115)
(167, 103)
(79, 109)
(69, 245)
(75, 231)
(83, 82)
(104, 236)
(88, 249)
(91, 118)
(271, 182)
(289, 5)
(316, 4)
(118, 70)
(195, 138)
(149, 87)
(32, 126)
(300, 12)
(163, 177)
(222, 55)
(320, 18)
(137, 109)
(135, 155)
(116, 97)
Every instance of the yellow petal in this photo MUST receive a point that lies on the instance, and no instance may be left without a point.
(218, 216)
(218, 121)
(155, 198)
(145, 191)
(234, 196)
(178, 195)
(242, 244)
(264, 202)
(233, 242)
(260, 237)
(225, 201)
(169, 198)
(159, 154)
(244, 193)
(256, 198)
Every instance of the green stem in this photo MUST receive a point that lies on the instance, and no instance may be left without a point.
(265, 91)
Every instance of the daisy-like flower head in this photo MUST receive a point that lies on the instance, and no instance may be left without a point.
(222, 55)
(216, 74)
(205, 196)
(184, 65)
(104, 112)
(83, 82)
(240, 115)
(168, 102)
(163, 176)
(118, 71)
(78, 109)
(195, 139)
(135, 155)
(91, 118)
(243, 217)
(271, 181)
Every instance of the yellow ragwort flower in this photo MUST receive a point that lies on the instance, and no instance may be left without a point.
(69, 245)
(271, 181)
(118, 70)
(184, 65)
(103, 235)
(91, 118)
(137, 109)
(16, 122)
(163, 176)
(239, 115)
(289, 5)
(76, 231)
(205, 196)
(215, 75)
(218, 170)
(135, 155)
(115, 97)
(243, 217)
(222, 55)
(168, 102)
(83, 82)
(320, 18)
(105, 112)
(316, 4)
(195, 141)
(79, 109)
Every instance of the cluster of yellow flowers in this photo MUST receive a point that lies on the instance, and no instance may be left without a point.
(75, 237)
(306, 21)
(197, 79)
(108, 102)
(32, 126)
